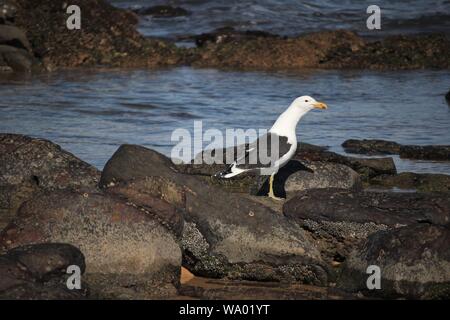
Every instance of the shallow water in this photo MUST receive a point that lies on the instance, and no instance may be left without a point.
(91, 113)
(293, 17)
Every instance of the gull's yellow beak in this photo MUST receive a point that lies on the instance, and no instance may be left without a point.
(320, 105)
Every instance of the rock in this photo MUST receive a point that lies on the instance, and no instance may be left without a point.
(15, 37)
(222, 289)
(39, 272)
(342, 218)
(228, 34)
(367, 168)
(273, 52)
(414, 263)
(108, 36)
(28, 165)
(46, 260)
(225, 234)
(447, 96)
(155, 197)
(16, 59)
(423, 182)
(393, 53)
(124, 247)
(371, 147)
(438, 153)
(163, 11)
(8, 11)
(322, 175)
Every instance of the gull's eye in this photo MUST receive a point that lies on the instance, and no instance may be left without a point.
(306, 100)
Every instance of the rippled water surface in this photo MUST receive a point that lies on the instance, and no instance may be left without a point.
(91, 113)
(293, 17)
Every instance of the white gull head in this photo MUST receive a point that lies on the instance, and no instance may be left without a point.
(287, 121)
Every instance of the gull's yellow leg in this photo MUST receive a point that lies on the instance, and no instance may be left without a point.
(271, 194)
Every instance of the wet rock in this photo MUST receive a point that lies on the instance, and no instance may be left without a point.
(108, 36)
(414, 263)
(322, 175)
(271, 52)
(393, 53)
(342, 218)
(28, 165)
(124, 247)
(371, 147)
(438, 153)
(39, 272)
(367, 168)
(423, 182)
(225, 234)
(229, 34)
(163, 11)
(15, 59)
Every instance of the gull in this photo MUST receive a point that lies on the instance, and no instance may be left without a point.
(270, 152)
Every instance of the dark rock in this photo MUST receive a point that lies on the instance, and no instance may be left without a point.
(228, 34)
(447, 96)
(275, 52)
(17, 59)
(163, 11)
(108, 36)
(322, 175)
(391, 209)
(123, 246)
(414, 263)
(438, 153)
(39, 272)
(46, 260)
(371, 147)
(14, 37)
(221, 289)
(393, 53)
(156, 196)
(225, 234)
(8, 11)
(423, 182)
(28, 165)
(340, 219)
(367, 168)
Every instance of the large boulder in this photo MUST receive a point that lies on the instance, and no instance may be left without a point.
(15, 59)
(342, 218)
(322, 175)
(28, 165)
(225, 234)
(124, 247)
(414, 262)
(13, 36)
(40, 272)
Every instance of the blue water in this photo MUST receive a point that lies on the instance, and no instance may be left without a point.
(91, 113)
(293, 17)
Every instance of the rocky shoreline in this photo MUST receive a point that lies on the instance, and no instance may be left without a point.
(31, 40)
(133, 226)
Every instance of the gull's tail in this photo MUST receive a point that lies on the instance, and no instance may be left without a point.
(229, 172)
